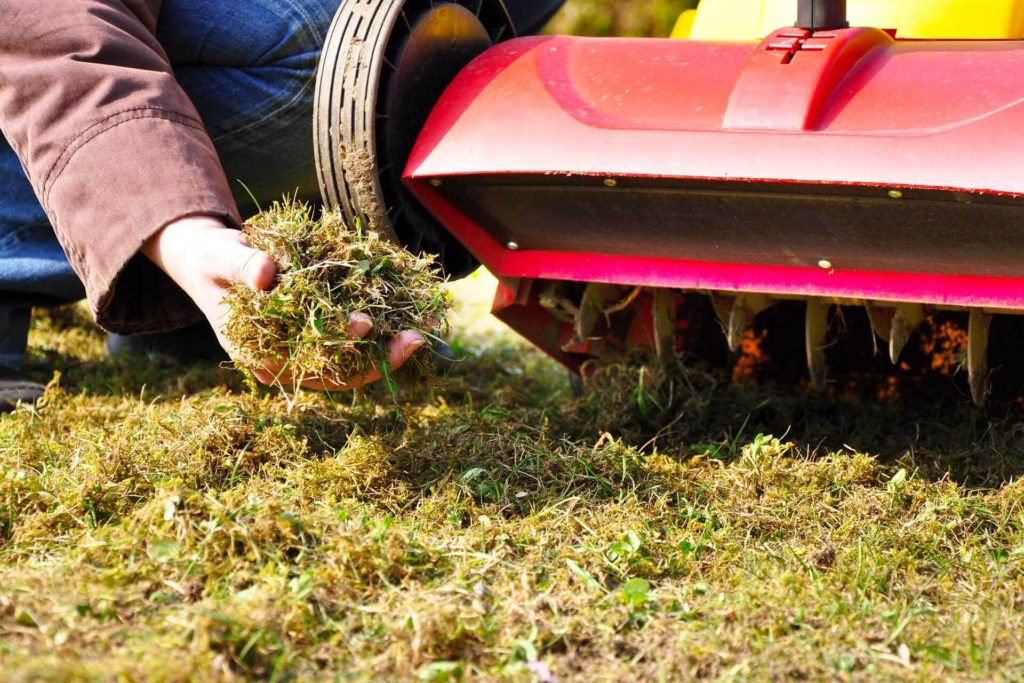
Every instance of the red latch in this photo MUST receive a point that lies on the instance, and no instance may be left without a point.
(792, 73)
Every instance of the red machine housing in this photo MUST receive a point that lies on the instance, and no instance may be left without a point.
(844, 165)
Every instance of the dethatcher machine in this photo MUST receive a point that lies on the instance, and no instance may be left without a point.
(867, 154)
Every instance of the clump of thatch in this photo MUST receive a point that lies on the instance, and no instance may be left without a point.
(328, 270)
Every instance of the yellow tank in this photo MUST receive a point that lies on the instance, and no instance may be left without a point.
(921, 19)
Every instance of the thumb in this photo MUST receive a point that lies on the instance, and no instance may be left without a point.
(253, 268)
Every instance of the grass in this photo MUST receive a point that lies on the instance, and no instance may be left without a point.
(160, 525)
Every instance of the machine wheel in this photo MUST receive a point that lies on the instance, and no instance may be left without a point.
(384, 66)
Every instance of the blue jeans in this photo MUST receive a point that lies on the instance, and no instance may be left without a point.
(249, 67)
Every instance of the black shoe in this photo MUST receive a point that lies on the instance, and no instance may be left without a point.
(15, 388)
(194, 344)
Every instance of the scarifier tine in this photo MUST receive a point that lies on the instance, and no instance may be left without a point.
(552, 299)
(978, 327)
(907, 319)
(816, 340)
(881, 323)
(596, 299)
(663, 311)
(744, 309)
(722, 307)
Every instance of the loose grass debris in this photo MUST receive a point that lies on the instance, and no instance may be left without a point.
(328, 271)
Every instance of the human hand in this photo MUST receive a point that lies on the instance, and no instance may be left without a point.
(206, 259)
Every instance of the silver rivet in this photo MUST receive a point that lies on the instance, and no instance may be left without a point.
(436, 182)
(513, 246)
(895, 194)
(610, 182)
(825, 264)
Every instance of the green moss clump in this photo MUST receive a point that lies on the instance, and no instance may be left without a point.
(329, 270)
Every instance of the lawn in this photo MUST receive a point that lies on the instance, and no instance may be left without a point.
(165, 525)
(161, 524)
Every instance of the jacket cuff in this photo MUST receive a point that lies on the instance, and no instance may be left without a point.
(117, 186)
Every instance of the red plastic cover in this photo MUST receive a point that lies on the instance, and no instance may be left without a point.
(812, 113)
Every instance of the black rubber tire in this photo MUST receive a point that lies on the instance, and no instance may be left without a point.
(348, 102)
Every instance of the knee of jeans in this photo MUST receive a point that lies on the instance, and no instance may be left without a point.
(306, 23)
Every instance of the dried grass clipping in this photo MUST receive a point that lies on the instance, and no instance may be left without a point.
(328, 270)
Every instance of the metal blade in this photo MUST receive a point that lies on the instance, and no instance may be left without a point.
(596, 297)
(816, 340)
(663, 310)
(722, 306)
(907, 319)
(881, 323)
(744, 309)
(977, 355)
(553, 299)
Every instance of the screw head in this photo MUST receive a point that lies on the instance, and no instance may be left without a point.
(436, 182)
(610, 182)
(895, 194)
(512, 246)
(825, 264)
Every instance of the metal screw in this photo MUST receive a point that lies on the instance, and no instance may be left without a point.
(610, 182)
(825, 264)
(895, 194)
(436, 182)
(513, 246)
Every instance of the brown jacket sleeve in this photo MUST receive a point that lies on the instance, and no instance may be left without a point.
(112, 145)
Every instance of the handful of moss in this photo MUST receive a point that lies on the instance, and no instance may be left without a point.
(327, 271)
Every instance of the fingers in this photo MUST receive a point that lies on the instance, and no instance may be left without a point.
(400, 349)
(254, 269)
(267, 374)
(359, 325)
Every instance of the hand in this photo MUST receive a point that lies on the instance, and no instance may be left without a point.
(399, 351)
(205, 259)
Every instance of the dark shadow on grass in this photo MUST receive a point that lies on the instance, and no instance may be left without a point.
(917, 414)
(923, 420)
(132, 375)
(940, 436)
(939, 432)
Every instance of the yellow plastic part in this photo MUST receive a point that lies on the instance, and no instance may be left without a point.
(921, 19)
(684, 24)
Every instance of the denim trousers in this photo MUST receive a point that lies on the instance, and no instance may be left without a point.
(249, 67)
